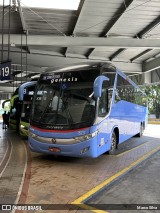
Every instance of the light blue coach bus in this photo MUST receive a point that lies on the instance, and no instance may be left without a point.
(85, 110)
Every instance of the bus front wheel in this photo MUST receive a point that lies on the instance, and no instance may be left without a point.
(113, 144)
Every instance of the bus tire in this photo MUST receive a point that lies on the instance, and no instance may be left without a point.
(113, 144)
(140, 131)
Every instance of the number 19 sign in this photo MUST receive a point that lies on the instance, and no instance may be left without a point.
(5, 71)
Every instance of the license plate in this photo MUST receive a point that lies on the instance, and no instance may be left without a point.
(54, 149)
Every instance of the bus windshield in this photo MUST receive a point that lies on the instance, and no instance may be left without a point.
(64, 101)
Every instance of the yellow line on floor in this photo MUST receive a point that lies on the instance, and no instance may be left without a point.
(131, 149)
(90, 208)
(82, 198)
(154, 122)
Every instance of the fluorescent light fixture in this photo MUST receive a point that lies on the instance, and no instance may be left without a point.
(35, 76)
(21, 75)
(51, 4)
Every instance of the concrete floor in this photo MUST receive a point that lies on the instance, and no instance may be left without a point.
(139, 187)
(12, 166)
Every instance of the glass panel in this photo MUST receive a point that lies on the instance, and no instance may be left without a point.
(127, 92)
(67, 107)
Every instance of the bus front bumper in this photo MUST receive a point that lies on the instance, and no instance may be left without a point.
(86, 148)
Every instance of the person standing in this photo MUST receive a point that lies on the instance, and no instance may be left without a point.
(4, 116)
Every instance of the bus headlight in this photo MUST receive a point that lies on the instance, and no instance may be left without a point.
(86, 137)
(32, 135)
(23, 127)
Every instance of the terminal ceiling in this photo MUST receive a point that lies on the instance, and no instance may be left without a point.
(123, 32)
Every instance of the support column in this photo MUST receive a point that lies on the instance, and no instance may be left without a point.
(147, 78)
(9, 95)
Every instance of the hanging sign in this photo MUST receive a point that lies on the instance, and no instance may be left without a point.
(5, 71)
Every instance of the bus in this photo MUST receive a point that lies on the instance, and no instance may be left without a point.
(13, 105)
(26, 91)
(85, 110)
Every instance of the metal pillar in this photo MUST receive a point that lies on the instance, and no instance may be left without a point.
(147, 78)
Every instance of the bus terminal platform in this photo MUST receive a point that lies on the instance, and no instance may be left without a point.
(130, 177)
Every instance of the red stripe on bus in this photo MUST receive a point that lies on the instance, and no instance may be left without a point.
(59, 131)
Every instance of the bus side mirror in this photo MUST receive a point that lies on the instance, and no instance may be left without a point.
(97, 86)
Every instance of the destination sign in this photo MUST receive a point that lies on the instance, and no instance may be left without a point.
(70, 77)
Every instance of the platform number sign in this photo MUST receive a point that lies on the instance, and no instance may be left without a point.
(5, 71)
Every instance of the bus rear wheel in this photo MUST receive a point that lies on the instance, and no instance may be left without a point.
(113, 144)
(140, 131)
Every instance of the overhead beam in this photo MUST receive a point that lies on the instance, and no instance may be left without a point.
(77, 21)
(21, 16)
(45, 52)
(141, 35)
(80, 10)
(118, 52)
(89, 52)
(127, 67)
(150, 27)
(119, 14)
(151, 65)
(30, 69)
(67, 41)
(140, 55)
(52, 61)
